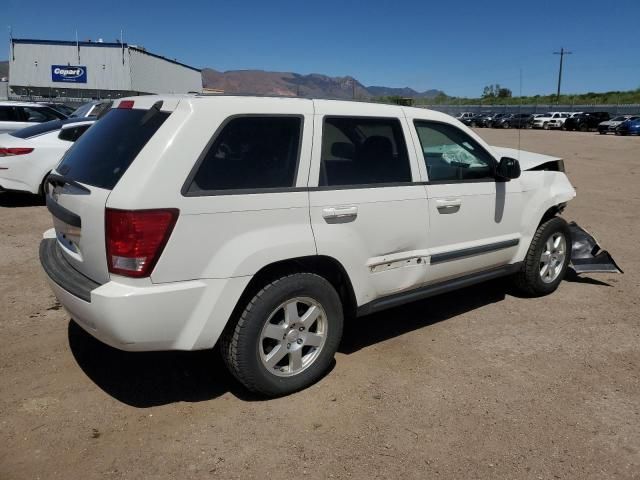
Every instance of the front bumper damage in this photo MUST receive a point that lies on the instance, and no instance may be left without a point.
(586, 254)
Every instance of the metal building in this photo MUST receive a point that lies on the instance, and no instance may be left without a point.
(77, 71)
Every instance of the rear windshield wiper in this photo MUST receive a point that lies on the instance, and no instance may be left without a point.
(55, 179)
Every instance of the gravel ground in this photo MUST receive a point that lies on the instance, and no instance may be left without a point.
(475, 384)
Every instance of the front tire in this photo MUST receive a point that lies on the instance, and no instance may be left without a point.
(287, 335)
(547, 259)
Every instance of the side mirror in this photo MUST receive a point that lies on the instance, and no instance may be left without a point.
(508, 168)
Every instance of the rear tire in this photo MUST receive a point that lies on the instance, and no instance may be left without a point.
(547, 259)
(287, 335)
(584, 127)
(545, 126)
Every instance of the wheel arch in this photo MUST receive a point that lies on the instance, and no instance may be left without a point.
(551, 212)
(325, 266)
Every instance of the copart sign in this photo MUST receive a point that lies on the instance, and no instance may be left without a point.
(68, 73)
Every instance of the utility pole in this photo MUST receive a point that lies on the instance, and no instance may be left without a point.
(562, 53)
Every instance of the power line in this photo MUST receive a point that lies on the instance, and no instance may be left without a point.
(562, 53)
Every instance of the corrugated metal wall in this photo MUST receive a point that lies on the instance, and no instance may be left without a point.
(154, 75)
(107, 69)
(31, 66)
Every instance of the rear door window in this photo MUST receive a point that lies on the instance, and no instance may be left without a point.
(363, 151)
(8, 114)
(101, 156)
(40, 115)
(249, 154)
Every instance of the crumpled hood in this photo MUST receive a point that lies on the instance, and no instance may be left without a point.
(528, 160)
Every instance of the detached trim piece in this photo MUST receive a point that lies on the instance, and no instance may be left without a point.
(62, 273)
(469, 252)
(436, 289)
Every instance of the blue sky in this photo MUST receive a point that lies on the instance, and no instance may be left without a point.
(457, 46)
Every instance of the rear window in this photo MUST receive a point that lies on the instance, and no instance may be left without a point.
(102, 155)
(41, 128)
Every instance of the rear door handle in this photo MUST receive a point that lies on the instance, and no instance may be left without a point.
(333, 213)
(448, 205)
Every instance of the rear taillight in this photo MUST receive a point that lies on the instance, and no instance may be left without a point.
(135, 239)
(10, 152)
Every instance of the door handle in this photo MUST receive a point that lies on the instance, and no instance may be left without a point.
(448, 205)
(334, 213)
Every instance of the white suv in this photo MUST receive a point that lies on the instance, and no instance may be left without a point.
(550, 120)
(181, 221)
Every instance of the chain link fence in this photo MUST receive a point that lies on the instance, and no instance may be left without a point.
(613, 110)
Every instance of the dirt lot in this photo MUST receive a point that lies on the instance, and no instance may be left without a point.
(474, 384)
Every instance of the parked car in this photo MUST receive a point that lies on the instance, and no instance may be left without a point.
(495, 118)
(610, 125)
(251, 222)
(61, 107)
(475, 121)
(550, 120)
(92, 109)
(585, 121)
(629, 127)
(17, 115)
(28, 155)
(514, 120)
(465, 115)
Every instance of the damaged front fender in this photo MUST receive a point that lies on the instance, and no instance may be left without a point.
(586, 254)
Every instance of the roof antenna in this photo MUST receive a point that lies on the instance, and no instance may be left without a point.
(13, 54)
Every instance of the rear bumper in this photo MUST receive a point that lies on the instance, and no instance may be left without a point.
(186, 315)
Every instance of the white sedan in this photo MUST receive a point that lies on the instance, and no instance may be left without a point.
(28, 155)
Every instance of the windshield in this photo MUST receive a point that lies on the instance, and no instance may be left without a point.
(82, 110)
(96, 159)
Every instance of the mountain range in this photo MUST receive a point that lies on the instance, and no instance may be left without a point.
(294, 84)
(291, 84)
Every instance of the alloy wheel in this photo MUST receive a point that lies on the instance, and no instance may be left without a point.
(553, 257)
(293, 336)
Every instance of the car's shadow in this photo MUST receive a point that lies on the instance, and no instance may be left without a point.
(16, 199)
(365, 331)
(158, 378)
(148, 379)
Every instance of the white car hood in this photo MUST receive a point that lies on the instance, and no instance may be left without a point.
(528, 160)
